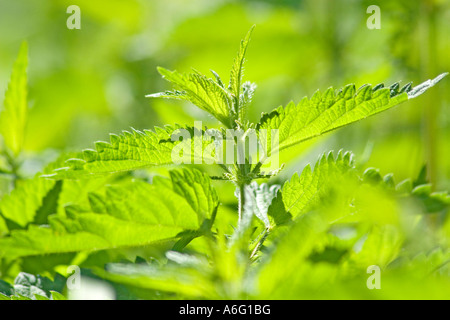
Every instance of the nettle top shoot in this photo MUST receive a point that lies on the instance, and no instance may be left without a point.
(241, 148)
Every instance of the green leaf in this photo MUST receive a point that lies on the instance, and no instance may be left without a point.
(43, 240)
(21, 297)
(6, 289)
(299, 194)
(379, 246)
(57, 296)
(432, 201)
(34, 200)
(4, 297)
(203, 92)
(127, 215)
(196, 188)
(236, 75)
(13, 116)
(192, 281)
(26, 202)
(136, 150)
(372, 175)
(3, 226)
(194, 276)
(332, 109)
(287, 260)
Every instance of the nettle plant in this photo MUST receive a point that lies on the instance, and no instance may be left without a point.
(86, 209)
(280, 129)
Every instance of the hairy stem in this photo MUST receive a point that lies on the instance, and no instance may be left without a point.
(241, 203)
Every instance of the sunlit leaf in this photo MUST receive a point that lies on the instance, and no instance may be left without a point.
(201, 91)
(333, 109)
(14, 114)
(132, 214)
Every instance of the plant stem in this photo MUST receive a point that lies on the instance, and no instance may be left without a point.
(218, 178)
(241, 203)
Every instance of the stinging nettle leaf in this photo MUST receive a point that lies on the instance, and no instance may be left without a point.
(333, 109)
(131, 214)
(304, 190)
(22, 205)
(237, 72)
(203, 92)
(135, 150)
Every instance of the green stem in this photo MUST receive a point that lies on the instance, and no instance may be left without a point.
(218, 178)
(241, 203)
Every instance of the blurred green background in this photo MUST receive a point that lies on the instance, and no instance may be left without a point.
(87, 83)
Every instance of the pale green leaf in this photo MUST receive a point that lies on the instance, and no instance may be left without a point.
(237, 72)
(57, 296)
(14, 114)
(304, 190)
(190, 282)
(22, 205)
(43, 240)
(127, 215)
(135, 150)
(4, 297)
(3, 226)
(378, 247)
(203, 92)
(332, 109)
